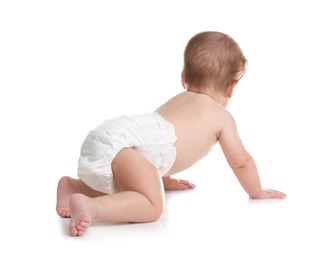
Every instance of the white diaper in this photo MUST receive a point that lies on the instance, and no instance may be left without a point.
(150, 134)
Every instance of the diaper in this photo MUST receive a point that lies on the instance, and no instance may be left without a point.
(150, 134)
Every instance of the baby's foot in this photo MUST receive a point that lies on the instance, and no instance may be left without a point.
(80, 214)
(66, 187)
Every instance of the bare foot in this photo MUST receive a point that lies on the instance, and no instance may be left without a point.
(66, 187)
(81, 214)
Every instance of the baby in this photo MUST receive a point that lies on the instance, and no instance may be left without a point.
(126, 163)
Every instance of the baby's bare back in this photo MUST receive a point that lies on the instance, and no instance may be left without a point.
(197, 120)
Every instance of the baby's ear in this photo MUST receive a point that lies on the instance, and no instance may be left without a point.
(230, 89)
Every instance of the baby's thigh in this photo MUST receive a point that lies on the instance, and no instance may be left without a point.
(133, 172)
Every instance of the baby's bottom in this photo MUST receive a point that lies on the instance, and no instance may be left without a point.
(140, 197)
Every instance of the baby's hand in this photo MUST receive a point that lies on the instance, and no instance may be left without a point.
(272, 194)
(176, 184)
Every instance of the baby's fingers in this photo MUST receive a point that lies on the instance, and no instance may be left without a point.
(187, 184)
(272, 194)
(277, 194)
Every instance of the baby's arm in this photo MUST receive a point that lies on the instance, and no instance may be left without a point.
(242, 162)
(176, 184)
(247, 174)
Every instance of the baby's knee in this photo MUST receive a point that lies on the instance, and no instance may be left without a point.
(156, 211)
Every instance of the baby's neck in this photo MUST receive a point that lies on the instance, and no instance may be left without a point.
(221, 100)
(218, 97)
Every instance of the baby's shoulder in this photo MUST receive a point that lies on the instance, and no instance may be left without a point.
(216, 111)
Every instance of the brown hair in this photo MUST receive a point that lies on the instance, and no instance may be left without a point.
(213, 59)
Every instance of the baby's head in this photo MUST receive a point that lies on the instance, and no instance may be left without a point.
(212, 59)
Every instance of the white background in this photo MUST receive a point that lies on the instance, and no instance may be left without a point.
(65, 66)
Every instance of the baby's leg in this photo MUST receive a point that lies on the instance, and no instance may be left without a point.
(67, 187)
(140, 197)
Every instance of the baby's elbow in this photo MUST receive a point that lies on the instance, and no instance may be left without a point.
(241, 162)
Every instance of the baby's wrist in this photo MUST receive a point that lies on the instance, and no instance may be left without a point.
(257, 195)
